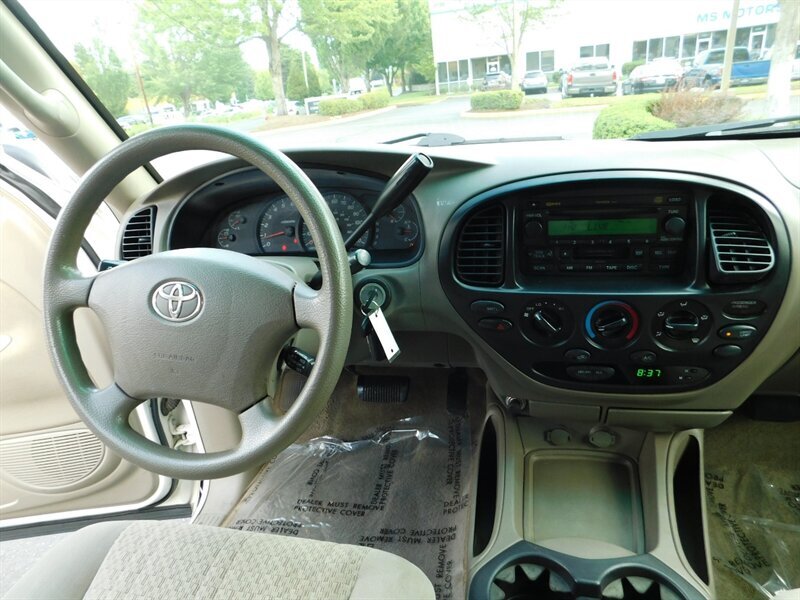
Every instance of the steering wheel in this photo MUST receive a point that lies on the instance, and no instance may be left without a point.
(200, 323)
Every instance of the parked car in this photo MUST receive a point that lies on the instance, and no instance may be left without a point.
(534, 82)
(591, 76)
(21, 134)
(497, 81)
(128, 121)
(707, 67)
(655, 76)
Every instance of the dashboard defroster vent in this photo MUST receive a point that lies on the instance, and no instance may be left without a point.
(481, 248)
(740, 249)
(137, 239)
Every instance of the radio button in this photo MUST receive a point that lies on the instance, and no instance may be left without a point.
(541, 268)
(633, 267)
(569, 268)
(638, 252)
(565, 253)
(613, 268)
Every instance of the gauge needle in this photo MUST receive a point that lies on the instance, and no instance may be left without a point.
(276, 234)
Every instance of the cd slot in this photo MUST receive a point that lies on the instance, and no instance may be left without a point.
(616, 251)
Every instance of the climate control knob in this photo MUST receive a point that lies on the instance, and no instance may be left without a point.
(612, 324)
(547, 322)
(682, 324)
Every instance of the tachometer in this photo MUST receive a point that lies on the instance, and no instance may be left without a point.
(349, 213)
(277, 229)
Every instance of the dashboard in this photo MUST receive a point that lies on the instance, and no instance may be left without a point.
(616, 278)
(245, 212)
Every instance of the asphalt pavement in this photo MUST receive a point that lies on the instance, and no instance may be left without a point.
(443, 116)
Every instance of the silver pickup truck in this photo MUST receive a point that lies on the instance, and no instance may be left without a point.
(591, 76)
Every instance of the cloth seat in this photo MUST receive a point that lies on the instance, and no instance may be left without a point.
(143, 560)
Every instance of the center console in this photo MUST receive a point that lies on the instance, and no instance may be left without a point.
(618, 281)
(571, 510)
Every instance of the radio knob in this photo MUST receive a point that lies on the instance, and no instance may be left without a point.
(534, 229)
(675, 226)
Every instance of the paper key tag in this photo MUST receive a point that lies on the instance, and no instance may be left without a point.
(381, 328)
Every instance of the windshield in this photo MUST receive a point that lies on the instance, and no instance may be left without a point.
(300, 72)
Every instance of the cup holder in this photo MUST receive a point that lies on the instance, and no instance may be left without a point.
(641, 586)
(526, 570)
(529, 580)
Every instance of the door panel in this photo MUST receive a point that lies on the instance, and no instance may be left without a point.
(50, 463)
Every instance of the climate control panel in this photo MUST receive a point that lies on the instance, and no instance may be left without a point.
(621, 343)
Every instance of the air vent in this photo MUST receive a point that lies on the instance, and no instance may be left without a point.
(137, 239)
(741, 251)
(480, 249)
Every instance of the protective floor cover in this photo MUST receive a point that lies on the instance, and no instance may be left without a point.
(753, 498)
(403, 489)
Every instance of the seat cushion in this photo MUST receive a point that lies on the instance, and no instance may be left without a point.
(146, 559)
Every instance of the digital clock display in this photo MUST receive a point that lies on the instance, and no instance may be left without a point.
(577, 227)
(648, 375)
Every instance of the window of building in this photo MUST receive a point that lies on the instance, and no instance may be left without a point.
(548, 61)
(655, 48)
(689, 46)
(639, 50)
(544, 60)
(453, 75)
(672, 46)
(718, 39)
(597, 50)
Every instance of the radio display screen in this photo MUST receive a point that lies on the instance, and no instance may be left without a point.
(576, 227)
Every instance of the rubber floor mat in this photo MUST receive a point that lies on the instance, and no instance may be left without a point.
(752, 472)
(402, 488)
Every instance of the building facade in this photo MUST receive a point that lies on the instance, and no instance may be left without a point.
(468, 43)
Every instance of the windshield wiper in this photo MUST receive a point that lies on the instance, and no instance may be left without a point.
(750, 129)
(451, 139)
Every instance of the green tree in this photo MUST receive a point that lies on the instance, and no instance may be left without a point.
(263, 86)
(184, 59)
(324, 79)
(347, 33)
(404, 41)
(511, 21)
(296, 86)
(102, 70)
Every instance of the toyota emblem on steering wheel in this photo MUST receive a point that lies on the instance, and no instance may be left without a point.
(177, 301)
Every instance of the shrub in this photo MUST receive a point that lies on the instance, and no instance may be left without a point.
(688, 108)
(375, 99)
(333, 107)
(630, 66)
(555, 77)
(499, 100)
(627, 118)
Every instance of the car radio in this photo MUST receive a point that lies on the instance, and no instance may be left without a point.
(645, 235)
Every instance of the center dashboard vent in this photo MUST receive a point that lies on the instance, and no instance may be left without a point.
(740, 249)
(480, 250)
(137, 238)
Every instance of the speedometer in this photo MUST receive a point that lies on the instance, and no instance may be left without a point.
(348, 212)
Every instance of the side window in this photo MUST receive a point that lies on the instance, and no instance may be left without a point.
(26, 158)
